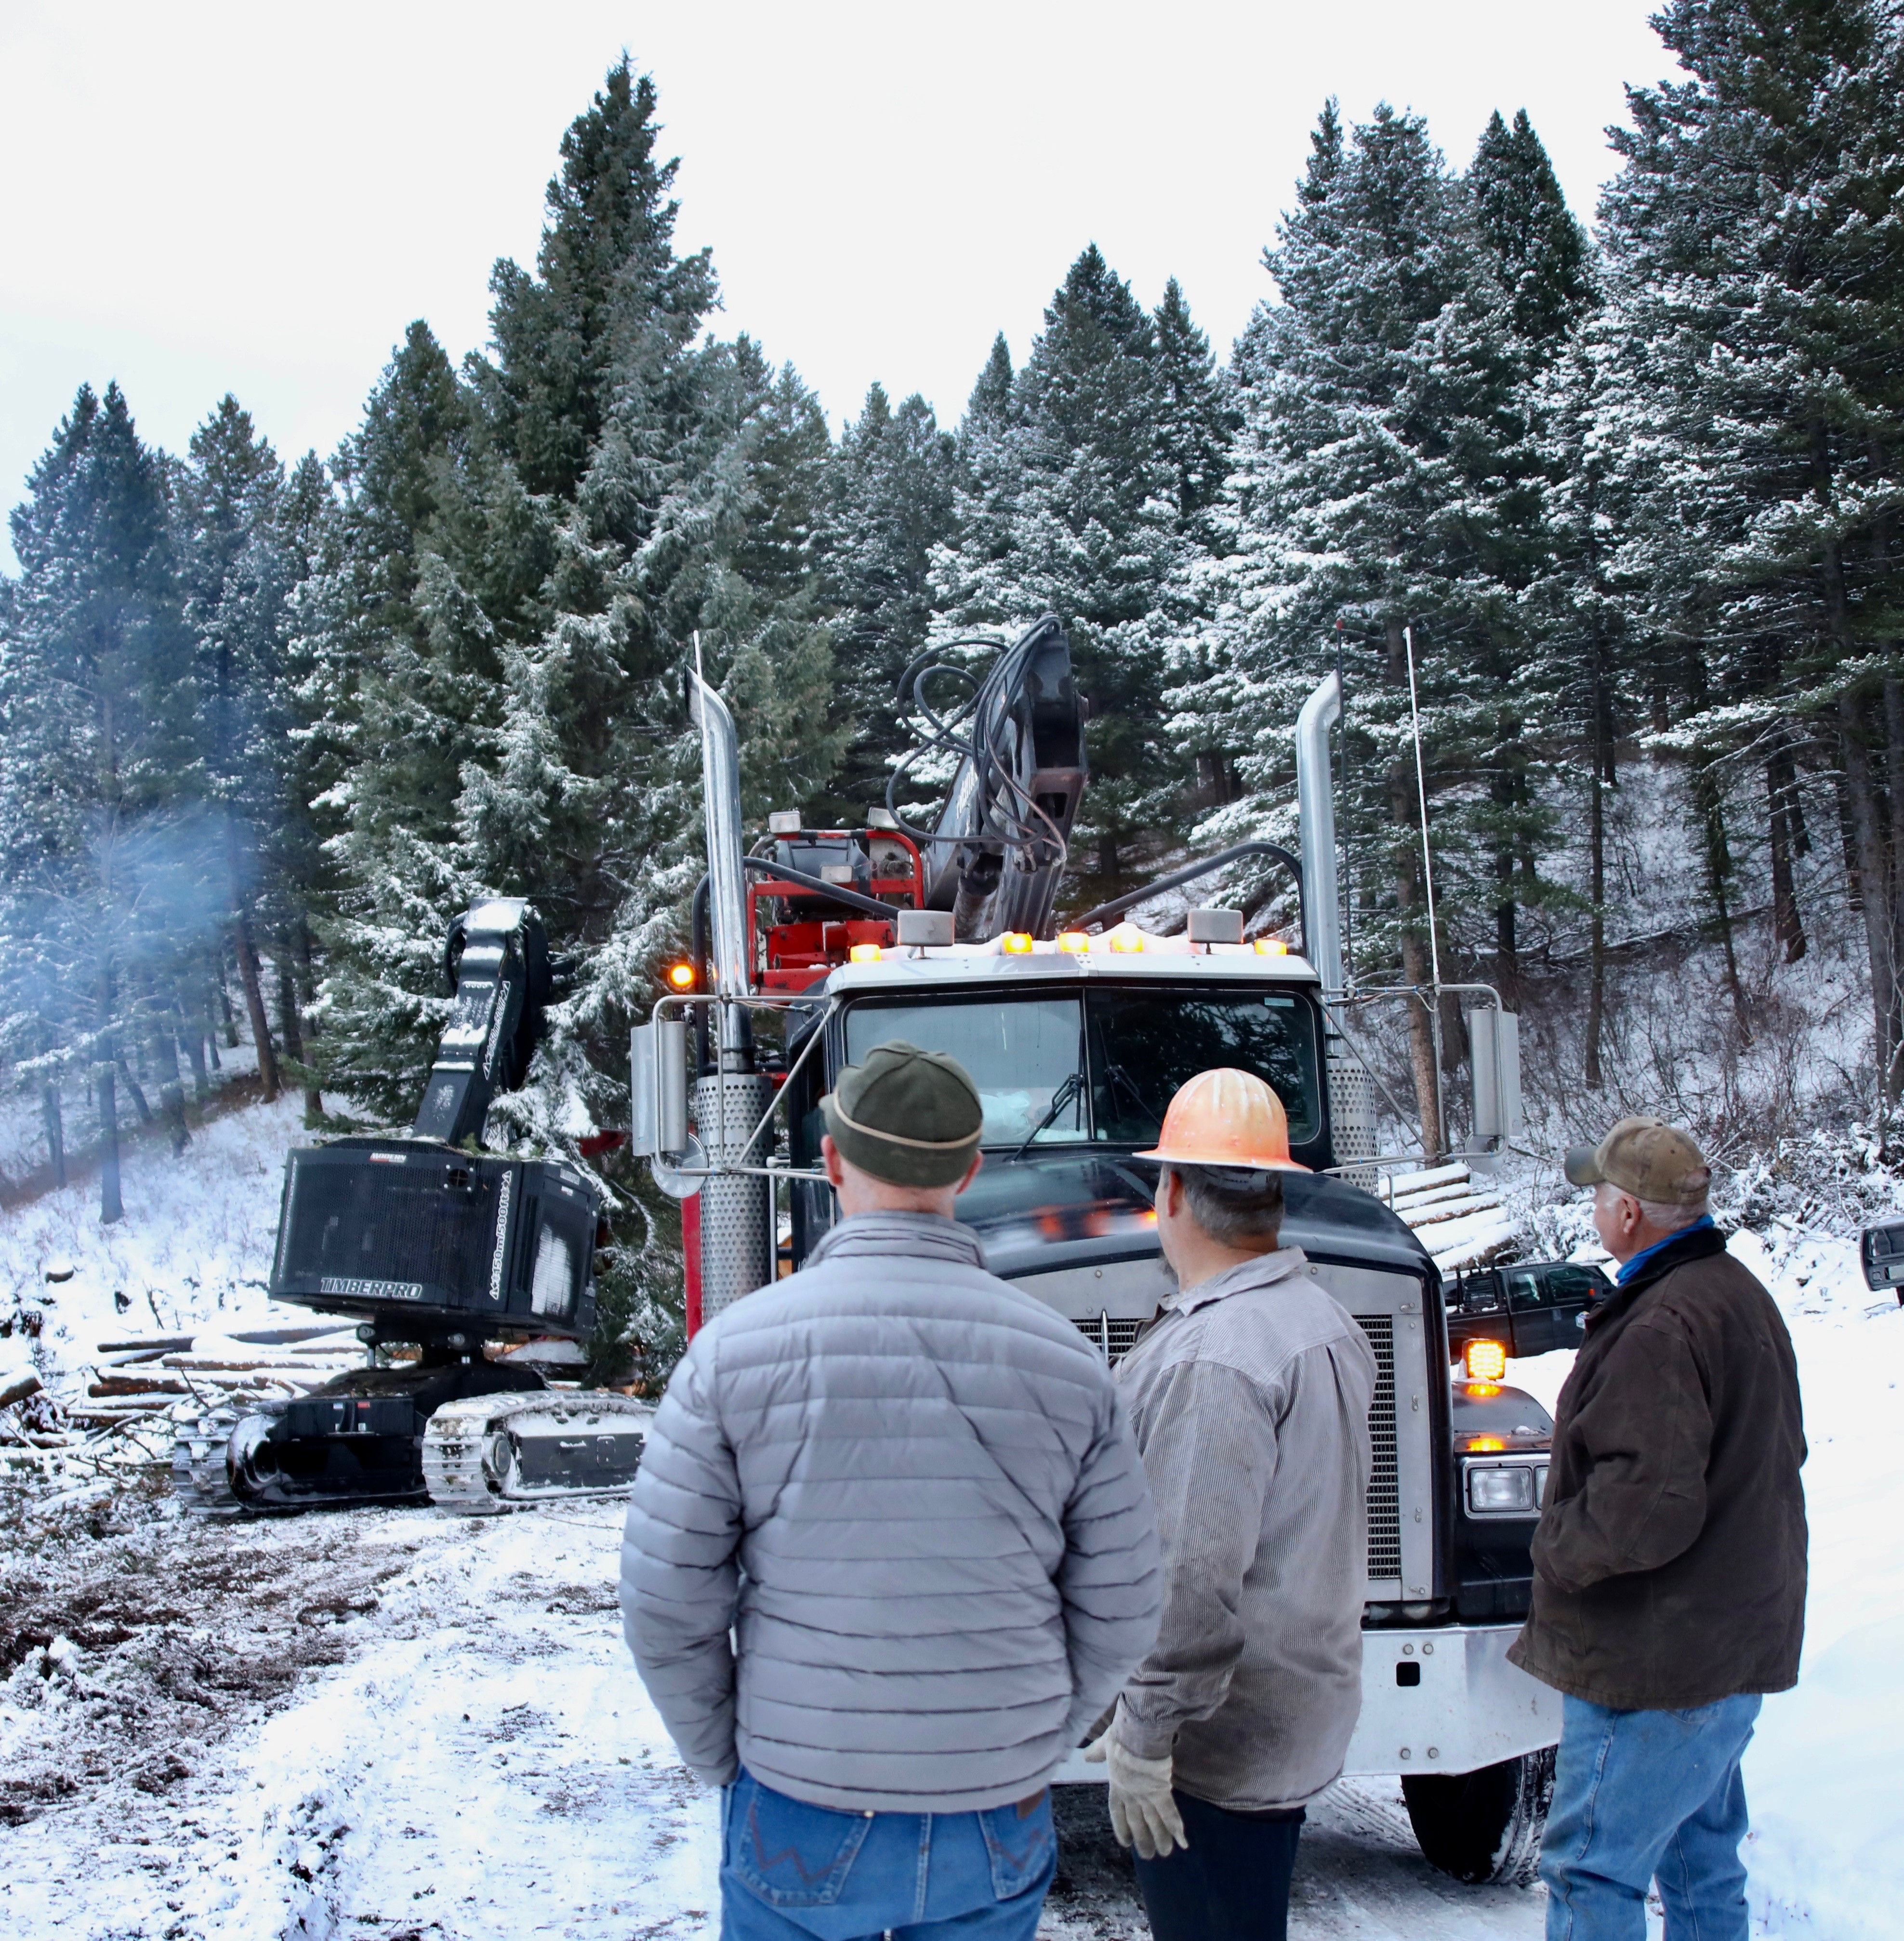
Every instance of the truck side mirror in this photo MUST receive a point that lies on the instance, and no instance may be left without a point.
(657, 1088)
(1494, 1038)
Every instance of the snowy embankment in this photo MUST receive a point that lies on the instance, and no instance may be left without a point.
(397, 1723)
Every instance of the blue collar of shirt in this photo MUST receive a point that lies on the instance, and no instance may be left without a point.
(1639, 1260)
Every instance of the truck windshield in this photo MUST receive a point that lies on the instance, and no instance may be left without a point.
(1102, 1066)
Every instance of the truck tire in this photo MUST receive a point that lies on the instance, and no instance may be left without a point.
(1483, 1826)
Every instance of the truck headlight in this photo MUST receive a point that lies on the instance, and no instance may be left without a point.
(1502, 1488)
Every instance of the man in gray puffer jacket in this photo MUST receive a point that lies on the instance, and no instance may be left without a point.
(910, 1491)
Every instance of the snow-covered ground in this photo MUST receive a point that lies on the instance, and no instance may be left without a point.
(400, 1724)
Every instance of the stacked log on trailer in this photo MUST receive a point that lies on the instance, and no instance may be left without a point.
(1460, 1220)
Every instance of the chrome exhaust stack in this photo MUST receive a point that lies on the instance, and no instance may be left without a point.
(1351, 1092)
(736, 1209)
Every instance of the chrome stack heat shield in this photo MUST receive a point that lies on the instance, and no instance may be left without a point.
(736, 1208)
(1351, 1092)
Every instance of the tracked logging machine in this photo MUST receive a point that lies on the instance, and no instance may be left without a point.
(813, 946)
(441, 1248)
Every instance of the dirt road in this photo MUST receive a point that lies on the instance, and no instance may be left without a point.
(397, 1725)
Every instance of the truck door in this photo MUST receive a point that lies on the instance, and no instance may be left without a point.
(1571, 1291)
(1530, 1318)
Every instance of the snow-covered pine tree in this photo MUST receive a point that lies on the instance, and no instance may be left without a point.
(1541, 252)
(1757, 265)
(105, 865)
(1384, 479)
(894, 478)
(403, 685)
(1071, 505)
(236, 581)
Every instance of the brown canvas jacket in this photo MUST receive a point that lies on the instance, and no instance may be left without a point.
(1669, 1564)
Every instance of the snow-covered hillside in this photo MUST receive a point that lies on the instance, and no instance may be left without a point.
(398, 1724)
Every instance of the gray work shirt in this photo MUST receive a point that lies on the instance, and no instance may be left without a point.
(1250, 1396)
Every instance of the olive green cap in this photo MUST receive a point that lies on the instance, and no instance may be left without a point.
(1647, 1158)
(908, 1116)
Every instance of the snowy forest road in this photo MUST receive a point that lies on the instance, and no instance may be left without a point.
(399, 1725)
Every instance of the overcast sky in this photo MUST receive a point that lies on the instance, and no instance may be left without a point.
(197, 197)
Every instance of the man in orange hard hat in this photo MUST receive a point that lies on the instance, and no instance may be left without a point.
(1249, 1393)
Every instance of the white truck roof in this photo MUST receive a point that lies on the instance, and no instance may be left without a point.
(1125, 954)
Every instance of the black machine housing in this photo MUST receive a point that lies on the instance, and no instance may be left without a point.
(429, 1240)
(425, 1240)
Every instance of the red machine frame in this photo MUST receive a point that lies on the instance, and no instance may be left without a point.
(794, 956)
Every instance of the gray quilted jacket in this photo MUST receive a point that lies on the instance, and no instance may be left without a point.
(911, 1491)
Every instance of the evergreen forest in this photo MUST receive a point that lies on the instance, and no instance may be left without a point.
(1614, 515)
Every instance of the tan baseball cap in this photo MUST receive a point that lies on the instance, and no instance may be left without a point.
(1647, 1158)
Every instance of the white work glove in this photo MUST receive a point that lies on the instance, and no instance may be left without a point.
(1143, 1811)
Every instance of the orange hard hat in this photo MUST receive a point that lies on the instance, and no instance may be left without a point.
(1225, 1117)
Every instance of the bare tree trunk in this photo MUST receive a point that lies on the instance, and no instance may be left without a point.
(1718, 872)
(1596, 948)
(1781, 787)
(1871, 878)
(261, 1025)
(308, 986)
(112, 1207)
(1416, 969)
(56, 1130)
(192, 1033)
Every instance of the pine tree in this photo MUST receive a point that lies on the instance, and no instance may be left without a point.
(1757, 267)
(1384, 480)
(893, 480)
(609, 297)
(1541, 252)
(1072, 505)
(106, 865)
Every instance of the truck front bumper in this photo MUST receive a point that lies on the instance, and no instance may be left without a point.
(1464, 1708)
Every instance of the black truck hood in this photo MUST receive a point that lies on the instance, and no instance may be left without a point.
(1086, 1207)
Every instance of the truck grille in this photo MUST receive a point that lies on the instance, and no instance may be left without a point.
(1117, 1338)
(1385, 1479)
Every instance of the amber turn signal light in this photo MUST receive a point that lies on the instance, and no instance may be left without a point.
(1485, 1361)
(680, 976)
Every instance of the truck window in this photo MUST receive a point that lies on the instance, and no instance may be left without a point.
(1021, 1055)
(1146, 1043)
(1575, 1283)
(1524, 1290)
(1054, 1071)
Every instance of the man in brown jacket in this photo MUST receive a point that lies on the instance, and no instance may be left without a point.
(1669, 1564)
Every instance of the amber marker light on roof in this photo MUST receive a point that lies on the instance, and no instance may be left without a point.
(1486, 1361)
(1016, 943)
(680, 976)
(1077, 942)
(1271, 946)
(1127, 937)
(865, 953)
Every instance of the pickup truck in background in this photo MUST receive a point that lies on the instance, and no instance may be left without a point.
(1530, 1308)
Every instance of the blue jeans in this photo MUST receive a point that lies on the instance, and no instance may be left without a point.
(1230, 1884)
(1645, 1796)
(789, 1871)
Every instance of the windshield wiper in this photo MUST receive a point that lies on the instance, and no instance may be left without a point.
(1064, 1095)
(1117, 1076)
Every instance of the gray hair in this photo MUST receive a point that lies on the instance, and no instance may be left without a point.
(1236, 1209)
(1667, 1215)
